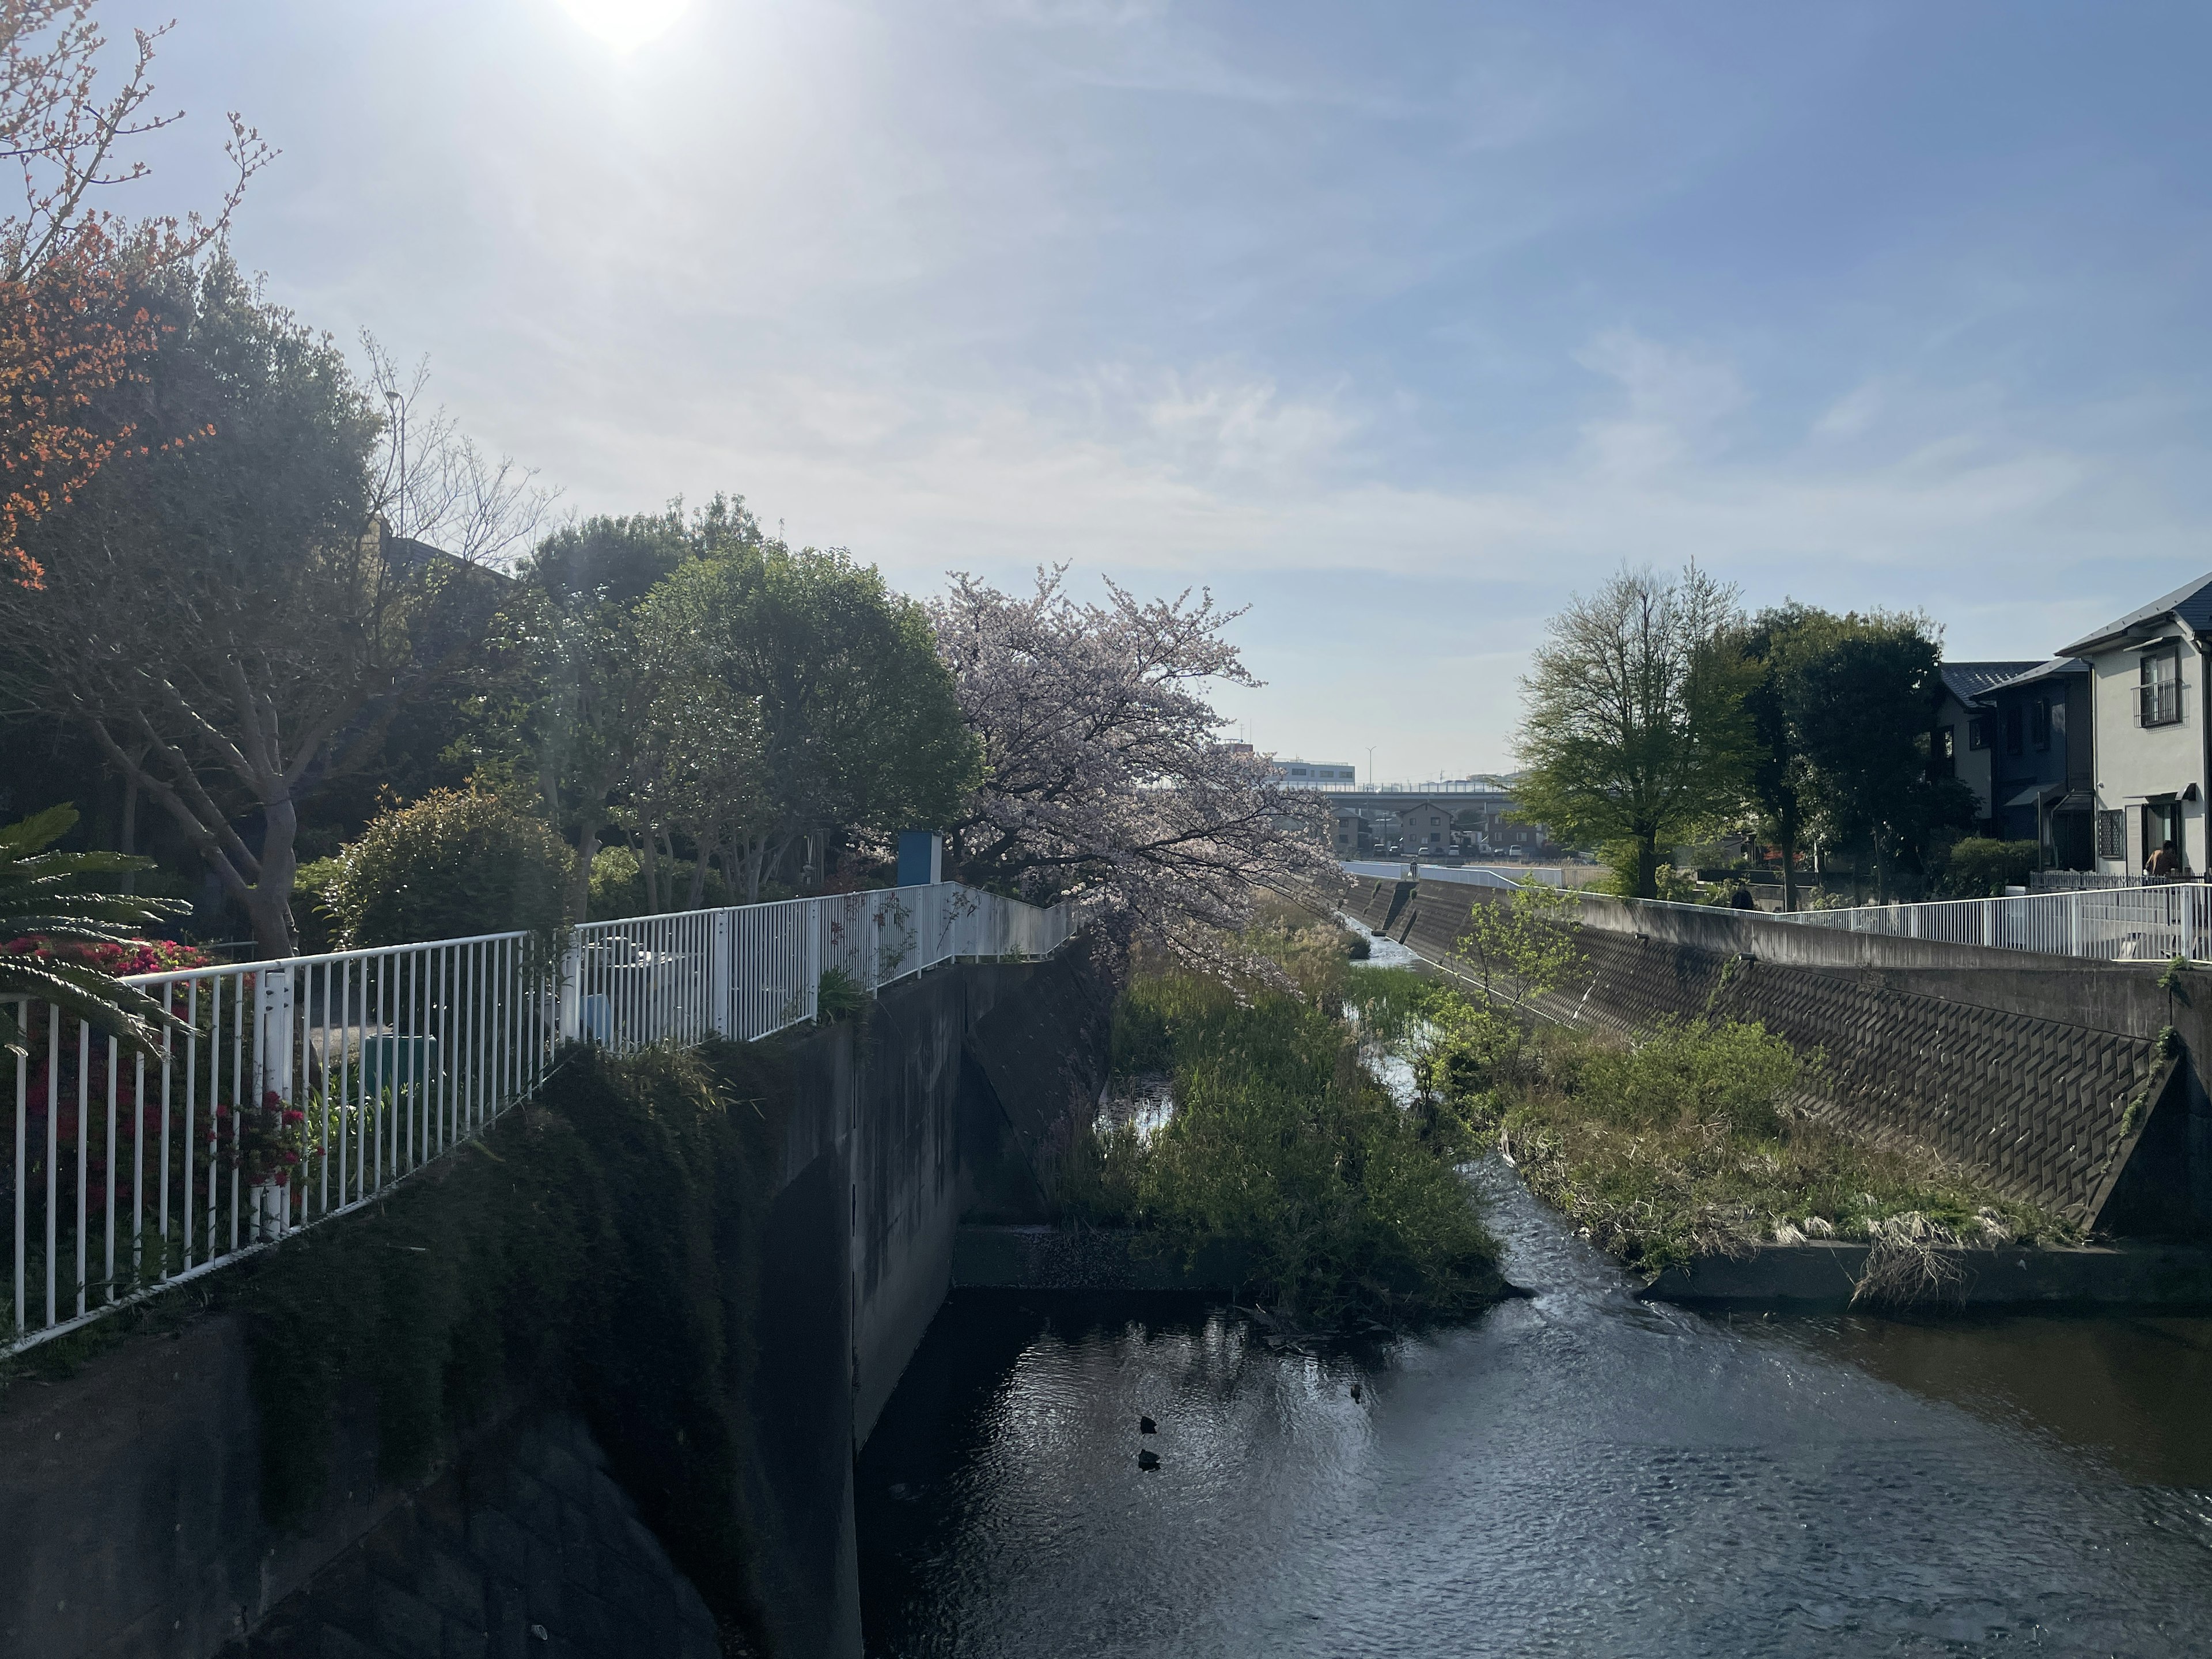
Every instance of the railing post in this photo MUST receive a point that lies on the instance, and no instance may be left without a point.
(272, 1075)
(571, 988)
(718, 986)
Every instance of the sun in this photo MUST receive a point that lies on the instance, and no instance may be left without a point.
(625, 24)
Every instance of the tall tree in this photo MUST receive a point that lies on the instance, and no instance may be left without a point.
(1635, 730)
(233, 620)
(859, 727)
(1106, 778)
(1861, 698)
(579, 684)
(1778, 641)
(72, 326)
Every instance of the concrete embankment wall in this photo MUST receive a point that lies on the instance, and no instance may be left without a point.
(2046, 1074)
(130, 1508)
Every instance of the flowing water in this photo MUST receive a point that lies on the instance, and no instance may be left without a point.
(1578, 1473)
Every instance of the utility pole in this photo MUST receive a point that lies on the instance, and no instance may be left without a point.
(1371, 765)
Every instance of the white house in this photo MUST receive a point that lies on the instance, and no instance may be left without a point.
(2154, 729)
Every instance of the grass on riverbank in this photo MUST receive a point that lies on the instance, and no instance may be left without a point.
(1283, 1144)
(1681, 1144)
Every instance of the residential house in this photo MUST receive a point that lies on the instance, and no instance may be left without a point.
(1354, 837)
(1960, 745)
(2041, 743)
(2154, 729)
(1424, 827)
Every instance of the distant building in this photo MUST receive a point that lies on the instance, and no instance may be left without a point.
(1425, 827)
(1355, 836)
(1313, 774)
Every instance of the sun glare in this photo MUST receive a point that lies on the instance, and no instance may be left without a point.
(625, 24)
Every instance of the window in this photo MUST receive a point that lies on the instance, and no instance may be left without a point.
(2159, 694)
(2111, 834)
(2012, 728)
(1978, 732)
(1943, 755)
(2039, 723)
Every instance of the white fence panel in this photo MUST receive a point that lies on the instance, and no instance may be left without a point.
(2109, 924)
(295, 1090)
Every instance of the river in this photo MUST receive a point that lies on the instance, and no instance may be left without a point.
(1580, 1472)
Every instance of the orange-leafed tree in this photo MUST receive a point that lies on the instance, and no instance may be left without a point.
(70, 326)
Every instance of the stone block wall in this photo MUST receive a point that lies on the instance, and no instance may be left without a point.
(2023, 1071)
(527, 1548)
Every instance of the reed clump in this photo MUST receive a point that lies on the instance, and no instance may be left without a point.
(1284, 1144)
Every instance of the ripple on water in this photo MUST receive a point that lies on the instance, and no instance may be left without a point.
(1578, 1474)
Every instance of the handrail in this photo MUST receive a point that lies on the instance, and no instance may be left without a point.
(287, 1091)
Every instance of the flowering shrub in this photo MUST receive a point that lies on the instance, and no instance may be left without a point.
(265, 1143)
(137, 956)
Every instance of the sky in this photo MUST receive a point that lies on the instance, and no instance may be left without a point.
(1394, 324)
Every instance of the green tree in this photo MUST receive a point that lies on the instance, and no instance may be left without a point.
(234, 612)
(1861, 701)
(576, 684)
(859, 727)
(1523, 945)
(1635, 730)
(1777, 640)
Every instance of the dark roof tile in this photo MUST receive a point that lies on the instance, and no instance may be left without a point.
(2191, 603)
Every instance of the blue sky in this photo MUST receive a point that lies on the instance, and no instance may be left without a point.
(1396, 323)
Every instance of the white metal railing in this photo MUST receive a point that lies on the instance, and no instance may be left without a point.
(2112, 924)
(2118, 924)
(293, 1092)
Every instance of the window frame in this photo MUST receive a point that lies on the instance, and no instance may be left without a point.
(2153, 710)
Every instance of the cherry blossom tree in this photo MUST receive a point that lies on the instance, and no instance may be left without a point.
(1106, 780)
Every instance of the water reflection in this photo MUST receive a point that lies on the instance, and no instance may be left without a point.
(2136, 1392)
(1581, 1473)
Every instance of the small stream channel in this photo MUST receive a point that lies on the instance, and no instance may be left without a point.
(1579, 1472)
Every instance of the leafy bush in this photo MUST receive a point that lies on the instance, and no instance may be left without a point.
(452, 864)
(1680, 1147)
(1388, 1002)
(617, 885)
(1981, 867)
(313, 921)
(60, 930)
(1682, 1071)
(1283, 1143)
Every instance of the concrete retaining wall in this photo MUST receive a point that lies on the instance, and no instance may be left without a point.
(130, 1519)
(2044, 1073)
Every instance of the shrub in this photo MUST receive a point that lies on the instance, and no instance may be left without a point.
(1685, 1071)
(452, 864)
(313, 920)
(1980, 867)
(618, 886)
(1283, 1143)
(838, 995)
